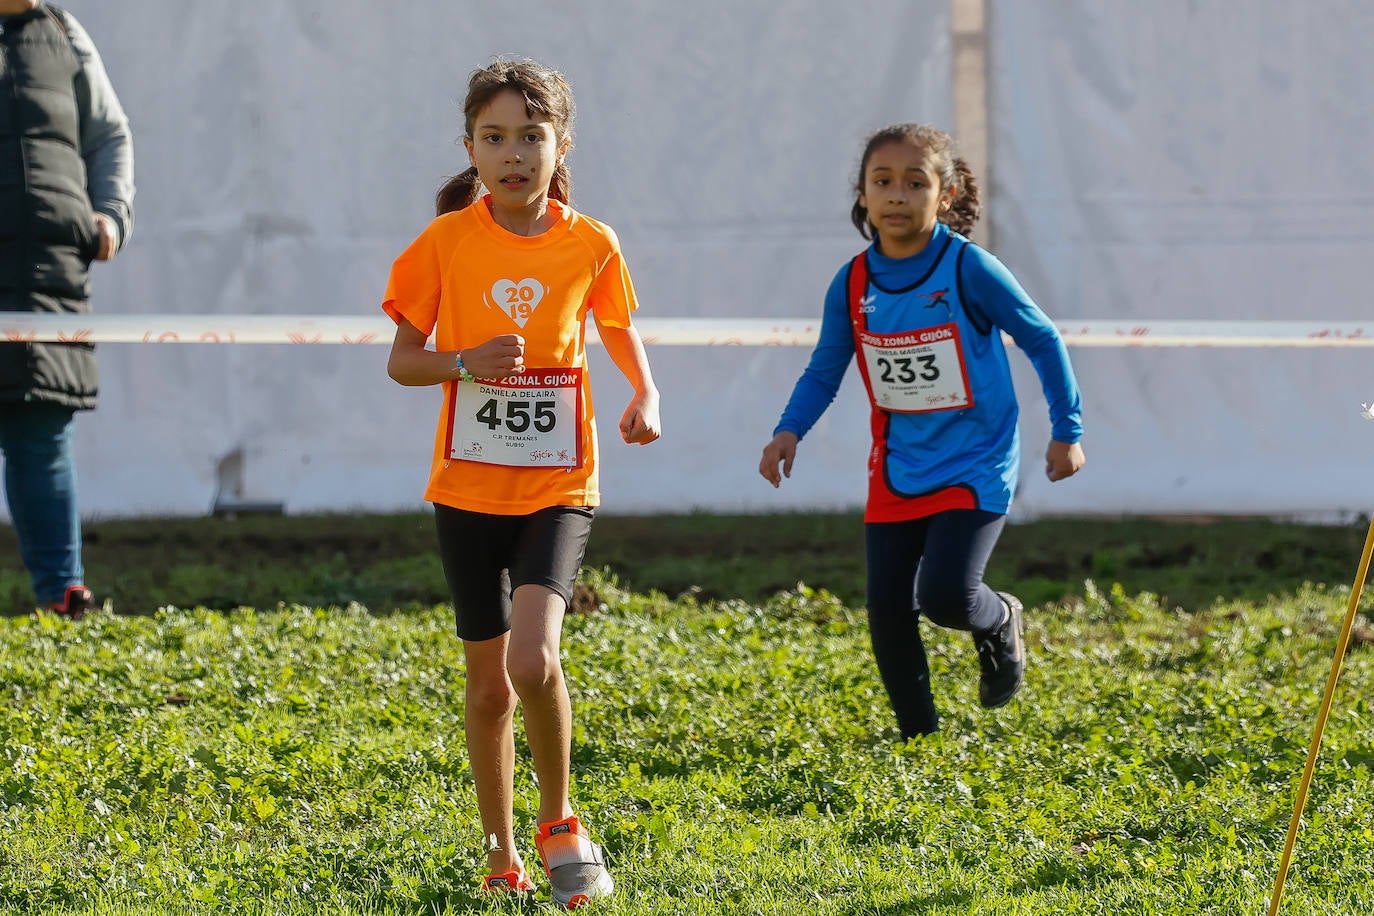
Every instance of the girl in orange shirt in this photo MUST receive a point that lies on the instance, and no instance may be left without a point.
(505, 282)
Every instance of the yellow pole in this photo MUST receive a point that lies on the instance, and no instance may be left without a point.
(1341, 645)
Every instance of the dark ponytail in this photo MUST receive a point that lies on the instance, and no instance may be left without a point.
(963, 213)
(462, 190)
(560, 188)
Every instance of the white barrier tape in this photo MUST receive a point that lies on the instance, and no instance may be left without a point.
(702, 332)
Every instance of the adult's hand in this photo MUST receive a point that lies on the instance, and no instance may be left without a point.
(105, 230)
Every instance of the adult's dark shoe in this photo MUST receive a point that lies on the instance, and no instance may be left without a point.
(1002, 655)
(75, 602)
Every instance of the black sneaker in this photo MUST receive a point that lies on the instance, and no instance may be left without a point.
(1002, 654)
(75, 603)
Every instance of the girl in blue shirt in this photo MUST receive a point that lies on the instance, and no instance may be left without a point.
(923, 309)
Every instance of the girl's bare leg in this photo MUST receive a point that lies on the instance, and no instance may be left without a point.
(536, 673)
(488, 716)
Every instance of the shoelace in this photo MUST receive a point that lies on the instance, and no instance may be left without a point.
(989, 654)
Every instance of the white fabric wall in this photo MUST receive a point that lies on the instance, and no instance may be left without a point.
(1175, 159)
(1186, 159)
(286, 153)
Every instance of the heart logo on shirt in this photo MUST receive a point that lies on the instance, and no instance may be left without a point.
(517, 299)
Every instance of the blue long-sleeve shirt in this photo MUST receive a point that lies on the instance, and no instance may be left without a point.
(976, 448)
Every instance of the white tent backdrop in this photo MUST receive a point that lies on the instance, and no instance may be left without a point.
(1180, 159)
(1146, 162)
(286, 155)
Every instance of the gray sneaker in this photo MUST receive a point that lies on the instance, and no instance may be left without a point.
(1002, 655)
(575, 865)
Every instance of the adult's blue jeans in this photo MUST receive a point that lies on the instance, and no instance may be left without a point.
(40, 486)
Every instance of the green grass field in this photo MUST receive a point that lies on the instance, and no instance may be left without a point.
(388, 561)
(733, 747)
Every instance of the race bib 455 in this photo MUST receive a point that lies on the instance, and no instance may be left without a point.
(532, 419)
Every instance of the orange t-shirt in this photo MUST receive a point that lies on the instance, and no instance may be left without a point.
(467, 280)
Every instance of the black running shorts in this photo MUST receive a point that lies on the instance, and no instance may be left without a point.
(487, 557)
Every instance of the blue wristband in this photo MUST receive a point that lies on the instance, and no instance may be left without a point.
(463, 373)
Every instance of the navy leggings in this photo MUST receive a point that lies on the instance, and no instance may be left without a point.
(933, 567)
